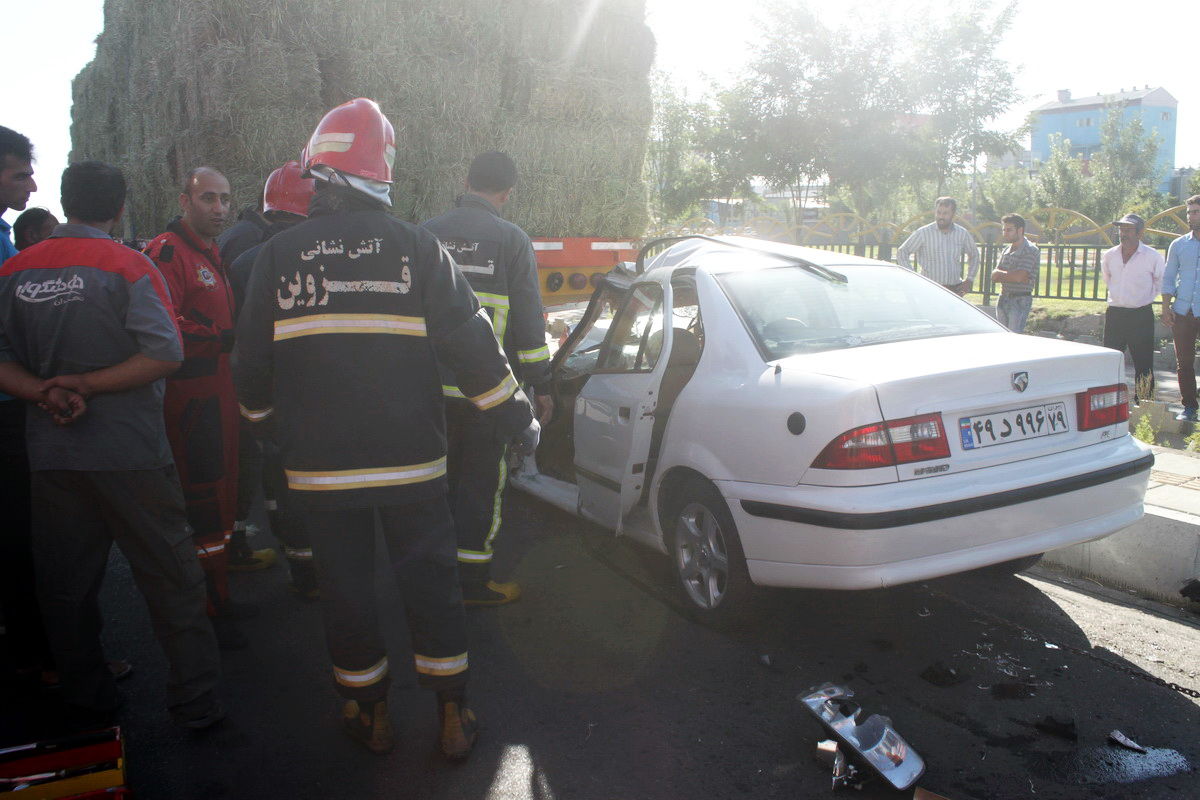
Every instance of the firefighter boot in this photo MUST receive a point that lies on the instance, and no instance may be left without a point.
(241, 557)
(373, 729)
(459, 726)
(304, 579)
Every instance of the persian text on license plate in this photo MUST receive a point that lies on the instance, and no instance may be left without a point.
(1017, 425)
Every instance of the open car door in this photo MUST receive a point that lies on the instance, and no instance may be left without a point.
(614, 410)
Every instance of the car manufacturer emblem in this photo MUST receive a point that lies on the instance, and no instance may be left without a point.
(1020, 381)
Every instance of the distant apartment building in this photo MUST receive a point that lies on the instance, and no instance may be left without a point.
(1080, 120)
(1181, 183)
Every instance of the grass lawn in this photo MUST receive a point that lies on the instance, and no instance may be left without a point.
(1047, 307)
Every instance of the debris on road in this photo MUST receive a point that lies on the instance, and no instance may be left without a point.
(873, 741)
(765, 659)
(826, 750)
(844, 773)
(1014, 690)
(943, 675)
(1116, 737)
(1063, 728)
(924, 612)
(1050, 646)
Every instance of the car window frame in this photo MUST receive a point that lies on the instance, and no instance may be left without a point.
(606, 346)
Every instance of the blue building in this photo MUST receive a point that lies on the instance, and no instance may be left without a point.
(1080, 120)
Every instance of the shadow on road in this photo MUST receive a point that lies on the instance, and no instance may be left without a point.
(597, 684)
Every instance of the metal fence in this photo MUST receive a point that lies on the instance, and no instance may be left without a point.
(1068, 272)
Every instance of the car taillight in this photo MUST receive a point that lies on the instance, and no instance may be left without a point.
(1101, 406)
(886, 444)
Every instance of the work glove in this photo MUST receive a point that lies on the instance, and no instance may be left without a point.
(525, 442)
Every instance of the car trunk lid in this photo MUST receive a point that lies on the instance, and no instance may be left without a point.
(1001, 397)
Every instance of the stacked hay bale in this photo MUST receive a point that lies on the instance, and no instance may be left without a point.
(561, 85)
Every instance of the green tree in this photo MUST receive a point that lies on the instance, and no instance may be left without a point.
(677, 174)
(726, 139)
(843, 101)
(829, 101)
(1060, 180)
(962, 85)
(1124, 172)
(1008, 190)
(1194, 185)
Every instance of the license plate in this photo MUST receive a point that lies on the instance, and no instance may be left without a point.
(988, 430)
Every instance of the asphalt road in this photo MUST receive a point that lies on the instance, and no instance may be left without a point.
(597, 685)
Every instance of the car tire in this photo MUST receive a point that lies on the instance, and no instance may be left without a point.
(709, 565)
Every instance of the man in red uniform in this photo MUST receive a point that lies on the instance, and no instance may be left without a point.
(201, 407)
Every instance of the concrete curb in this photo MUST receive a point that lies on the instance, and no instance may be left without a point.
(1154, 557)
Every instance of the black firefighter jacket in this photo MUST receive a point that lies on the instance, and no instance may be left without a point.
(347, 316)
(496, 257)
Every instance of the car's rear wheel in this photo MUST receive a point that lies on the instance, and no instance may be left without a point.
(710, 568)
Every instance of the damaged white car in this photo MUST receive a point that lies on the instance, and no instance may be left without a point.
(782, 416)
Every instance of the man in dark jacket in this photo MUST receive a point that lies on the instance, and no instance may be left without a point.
(249, 230)
(496, 258)
(346, 317)
(286, 197)
(82, 313)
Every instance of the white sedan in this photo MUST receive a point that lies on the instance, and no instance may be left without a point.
(782, 416)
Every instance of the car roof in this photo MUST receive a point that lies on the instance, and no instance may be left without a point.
(720, 254)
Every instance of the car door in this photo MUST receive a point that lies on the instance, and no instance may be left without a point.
(614, 411)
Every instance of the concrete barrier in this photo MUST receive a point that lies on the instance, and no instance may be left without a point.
(1154, 557)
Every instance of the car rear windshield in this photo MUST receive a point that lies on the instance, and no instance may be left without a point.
(791, 310)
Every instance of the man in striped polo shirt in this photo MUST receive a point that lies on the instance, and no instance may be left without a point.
(940, 247)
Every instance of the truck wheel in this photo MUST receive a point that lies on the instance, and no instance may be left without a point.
(710, 568)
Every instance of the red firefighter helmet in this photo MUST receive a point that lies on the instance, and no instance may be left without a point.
(288, 190)
(356, 139)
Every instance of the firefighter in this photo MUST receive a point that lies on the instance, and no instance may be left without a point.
(286, 196)
(200, 406)
(249, 230)
(496, 258)
(347, 315)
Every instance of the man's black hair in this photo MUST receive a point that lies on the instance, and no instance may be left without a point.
(1016, 220)
(92, 191)
(492, 172)
(15, 145)
(30, 220)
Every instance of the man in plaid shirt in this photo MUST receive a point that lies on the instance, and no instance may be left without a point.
(1017, 273)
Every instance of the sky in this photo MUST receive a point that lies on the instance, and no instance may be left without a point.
(1098, 47)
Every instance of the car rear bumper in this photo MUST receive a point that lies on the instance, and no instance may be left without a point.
(872, 536)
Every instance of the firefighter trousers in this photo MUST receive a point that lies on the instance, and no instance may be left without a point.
(202, 426)
(77, 517)
(477, 471)
(285, 525)
(420, 542)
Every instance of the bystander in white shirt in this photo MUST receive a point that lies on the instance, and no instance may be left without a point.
(1136, 282)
